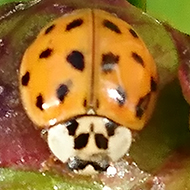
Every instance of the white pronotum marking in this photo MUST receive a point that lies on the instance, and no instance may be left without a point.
(62, 144)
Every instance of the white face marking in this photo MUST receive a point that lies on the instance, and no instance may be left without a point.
(91, 152)
(100, 147)
(89, 170)
(60, 143)
(119, 143)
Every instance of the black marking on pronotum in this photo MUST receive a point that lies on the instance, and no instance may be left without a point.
(25, 79)
(101, 141)
(81, 141)
(110, 25)
(110, 127)
(138, 58)
(62, 92)
(108, 62)
(72, 126)
(39, 102)
(49, 29)
(46, 53)
(133, 33)
(76, 59)
(75, 23)
(121, 96)
(142, 105)
(153, 85)
(91, 127)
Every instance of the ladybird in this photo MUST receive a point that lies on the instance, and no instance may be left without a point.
(89, 81)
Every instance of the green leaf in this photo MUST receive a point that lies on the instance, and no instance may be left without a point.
(176, 13)
(22, 180)
(10, 1)
(139, 3)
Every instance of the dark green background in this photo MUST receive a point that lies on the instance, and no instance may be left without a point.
(176, 12)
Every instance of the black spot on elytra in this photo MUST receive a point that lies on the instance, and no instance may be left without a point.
(46, 53)
(49, 29)
(142, 105)
(101, 141)
(110, 25)
(97, 103)
(81, 165)
(76, 59)
(121, 96)
(74, 24)
(110, 127)
(62, 92)
(133, 33)
(39, 102)
(138, 58)
(84, 103)
(72, 126)
(77, 164)
(25, 79)
(81, 141)
(108, 62)
(153, 85)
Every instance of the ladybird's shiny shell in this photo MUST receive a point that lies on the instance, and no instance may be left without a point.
(89, 59)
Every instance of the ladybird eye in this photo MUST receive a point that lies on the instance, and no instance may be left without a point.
(102, 168)
(142, 105)
(77, 164)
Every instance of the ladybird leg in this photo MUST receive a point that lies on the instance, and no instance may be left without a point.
(48, 164)
(52, 163)
(135, 136)
(44, 134)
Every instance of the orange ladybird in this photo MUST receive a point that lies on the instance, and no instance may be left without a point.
(88, 79)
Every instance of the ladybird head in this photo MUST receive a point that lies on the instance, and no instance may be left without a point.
(89, 142)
